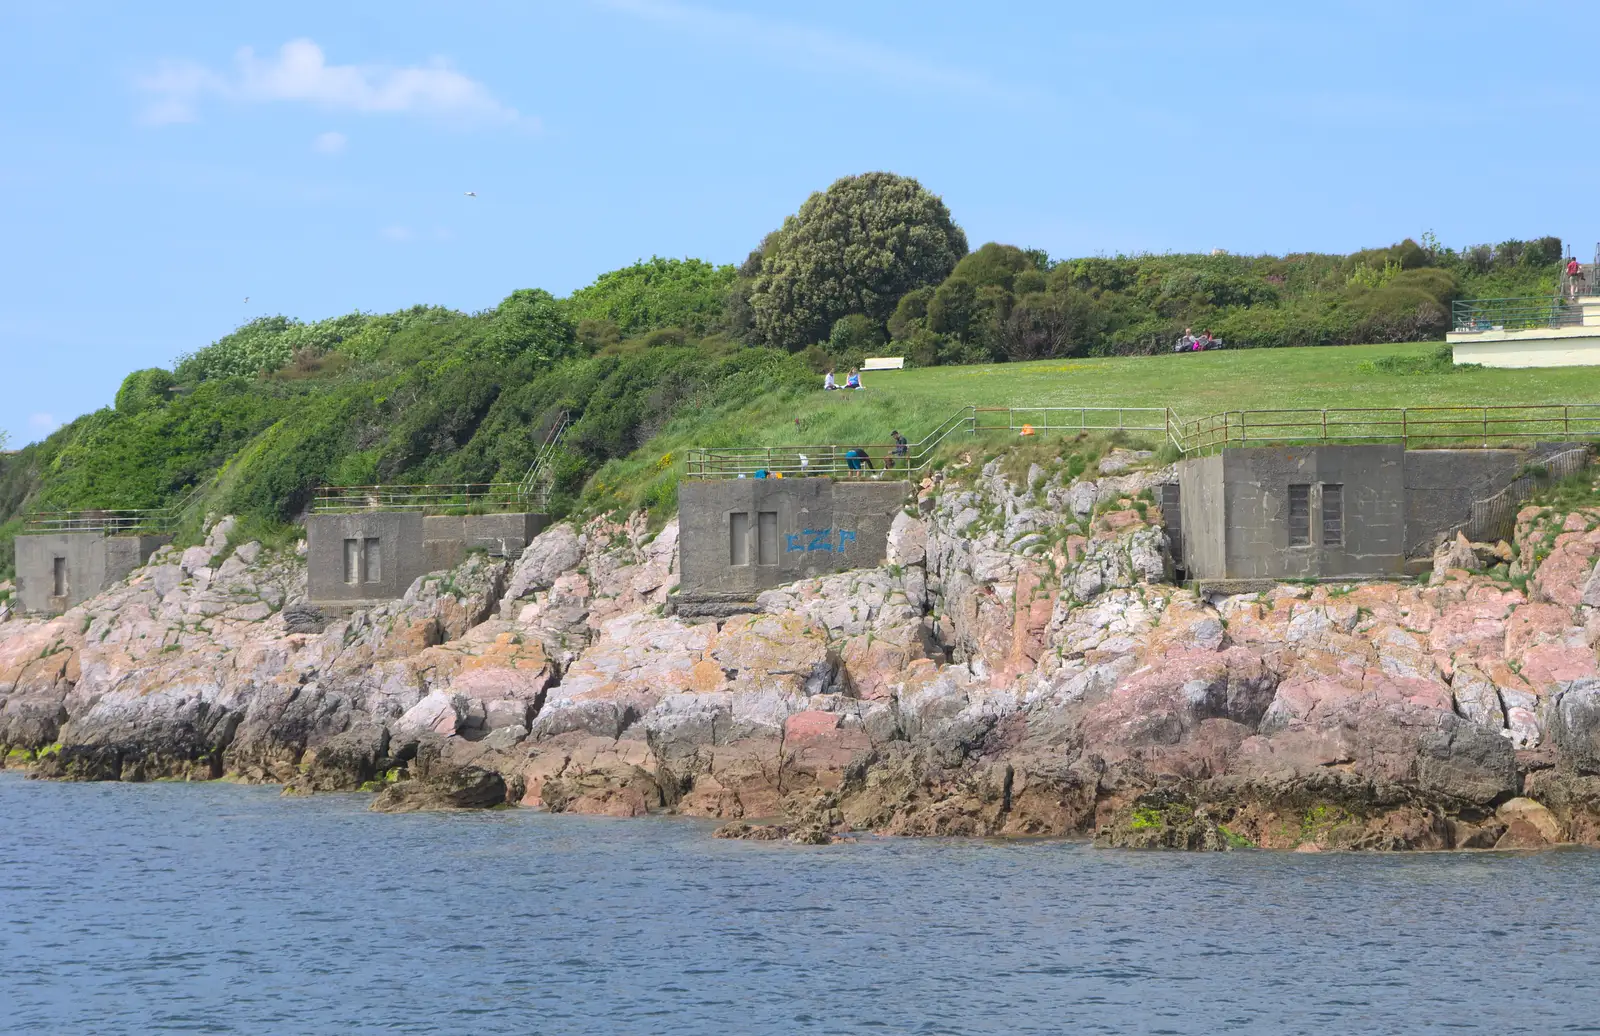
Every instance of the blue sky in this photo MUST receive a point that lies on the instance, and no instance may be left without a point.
(159, 163)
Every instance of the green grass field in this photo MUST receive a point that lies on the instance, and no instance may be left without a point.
(1195, 385)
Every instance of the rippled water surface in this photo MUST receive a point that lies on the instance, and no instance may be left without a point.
(213, 908)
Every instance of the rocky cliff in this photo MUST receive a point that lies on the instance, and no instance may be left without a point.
(1022, 664)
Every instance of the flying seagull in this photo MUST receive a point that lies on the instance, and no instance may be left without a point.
(472, 194)
(247, 299)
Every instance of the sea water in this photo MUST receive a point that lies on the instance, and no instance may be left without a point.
(215, 908)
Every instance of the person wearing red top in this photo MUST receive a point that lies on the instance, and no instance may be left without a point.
(1574, 277)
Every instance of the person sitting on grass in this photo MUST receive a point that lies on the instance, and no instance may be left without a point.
(853, 381)
(828, 384)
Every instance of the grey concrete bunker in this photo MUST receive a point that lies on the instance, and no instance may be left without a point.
(367, 557)
(1332, 511)
(57, 570)
(738, 537)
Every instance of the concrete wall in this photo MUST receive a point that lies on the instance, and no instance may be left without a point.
(818, 526)
(398, 550)
(92, 561)
(1441, 486)
(408, 545)
(1253, 485)
(1203, 525)
(448, 538)
(1256, 492)
(1397, 504)
(1544, 347)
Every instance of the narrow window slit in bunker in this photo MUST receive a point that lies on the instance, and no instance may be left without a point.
(1332, 514)
(739, 538)
(1300, 515)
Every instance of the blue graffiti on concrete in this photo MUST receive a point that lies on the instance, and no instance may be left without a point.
(818, 539)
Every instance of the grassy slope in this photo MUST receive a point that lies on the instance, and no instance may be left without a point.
(915, 401)
(1194, 385)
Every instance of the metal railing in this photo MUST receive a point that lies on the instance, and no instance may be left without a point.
(1415, 427)
(124, 520)
(440, 497)
(1042, 419)
(98, 520)
(1471, 316)
(827, 460)
(448, 497)
(540, 479)
(1481, 426)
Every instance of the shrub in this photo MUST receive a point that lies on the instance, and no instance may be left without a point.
(855, 248)
(531, 322)
(265, 345)
(144, 389)
(1438, 361)
(682, 293)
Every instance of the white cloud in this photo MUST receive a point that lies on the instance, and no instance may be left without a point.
(175, 88)
(397, 234)
(300, 73)
(818, 49)
(331, 142)
(44, 424)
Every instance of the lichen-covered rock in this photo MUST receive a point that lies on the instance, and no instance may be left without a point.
(1573, 721)
(552, 552)
(470, 787)
(1159, 822)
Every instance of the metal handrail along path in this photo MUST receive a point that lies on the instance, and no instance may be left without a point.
(448, 496)
(125, 520)
(1480, 426)
(538, 482)
(824, 460)
(1432, 426)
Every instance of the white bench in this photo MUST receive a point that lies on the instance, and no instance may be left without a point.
(884, 363)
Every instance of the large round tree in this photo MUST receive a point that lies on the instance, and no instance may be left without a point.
(855, 248)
